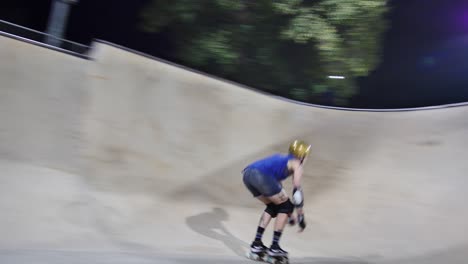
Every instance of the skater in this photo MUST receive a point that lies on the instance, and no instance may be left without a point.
(263, 179)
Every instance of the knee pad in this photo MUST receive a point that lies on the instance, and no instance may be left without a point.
(272, 209)
(286, 207)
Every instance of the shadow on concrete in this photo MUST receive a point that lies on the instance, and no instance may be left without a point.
(210, 225)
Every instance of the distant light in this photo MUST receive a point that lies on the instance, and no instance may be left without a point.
(336, 77)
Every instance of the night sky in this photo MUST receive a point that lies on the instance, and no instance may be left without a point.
(425, 60)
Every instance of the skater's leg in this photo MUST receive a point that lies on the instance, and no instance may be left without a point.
(280, 223)
(262, 224)
(285, 208)
(265, 218)
(259, 185)
(272, 194)
(268, 213)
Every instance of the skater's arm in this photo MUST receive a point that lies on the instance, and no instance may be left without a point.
(297, 176)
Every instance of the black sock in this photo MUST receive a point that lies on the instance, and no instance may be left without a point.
(276, 237)
(259, 235)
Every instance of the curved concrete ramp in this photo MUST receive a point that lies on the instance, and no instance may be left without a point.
(124, 159)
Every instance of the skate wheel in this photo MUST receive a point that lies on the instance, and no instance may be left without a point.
(277, 260)
(272, 260)
(254, 256)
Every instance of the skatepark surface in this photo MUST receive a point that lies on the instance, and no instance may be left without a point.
(121, 158)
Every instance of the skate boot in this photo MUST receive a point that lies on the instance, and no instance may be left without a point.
(258, 247)
(276, 251)
(277, 255)
(257, 251)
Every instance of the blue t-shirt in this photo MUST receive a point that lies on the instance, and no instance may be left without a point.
(274, 166)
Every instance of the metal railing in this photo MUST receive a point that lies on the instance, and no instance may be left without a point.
(38, 36)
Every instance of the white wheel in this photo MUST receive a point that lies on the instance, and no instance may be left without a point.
(253, 256)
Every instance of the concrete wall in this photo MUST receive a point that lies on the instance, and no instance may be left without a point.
(41, 100)
(151, 148)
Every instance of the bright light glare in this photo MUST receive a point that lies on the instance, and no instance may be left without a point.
(336, 77)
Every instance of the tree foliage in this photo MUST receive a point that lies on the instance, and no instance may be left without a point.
(287, 47)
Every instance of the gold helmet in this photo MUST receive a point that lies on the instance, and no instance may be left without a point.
(299, 149)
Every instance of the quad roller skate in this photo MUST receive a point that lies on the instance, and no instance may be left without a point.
(273, 255)
(258, 251)
(276, 255)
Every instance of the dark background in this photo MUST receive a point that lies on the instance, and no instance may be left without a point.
(425, 53)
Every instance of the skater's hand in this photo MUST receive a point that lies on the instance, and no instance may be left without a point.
(302, 223)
